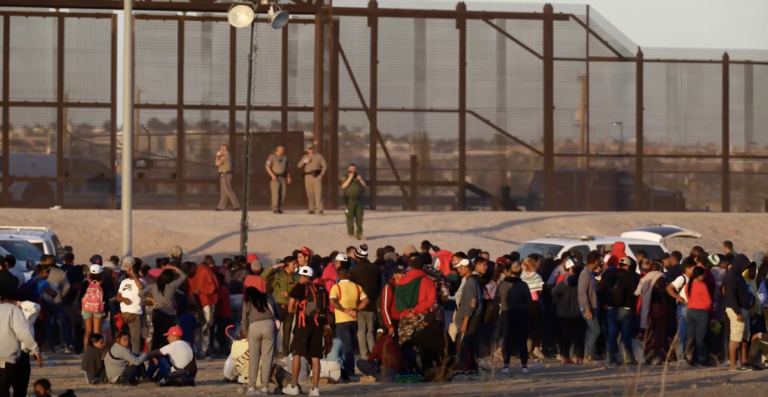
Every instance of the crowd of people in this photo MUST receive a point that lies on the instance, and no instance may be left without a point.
(422, 315)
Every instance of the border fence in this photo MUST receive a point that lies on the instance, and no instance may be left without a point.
(442, 106)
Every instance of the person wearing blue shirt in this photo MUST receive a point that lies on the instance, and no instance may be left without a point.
(188, 324)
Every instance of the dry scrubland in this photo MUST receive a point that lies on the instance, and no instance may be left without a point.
(271, 236)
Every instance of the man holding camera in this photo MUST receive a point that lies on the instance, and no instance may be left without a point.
(314, 168)
(224, 163)
(354, 186)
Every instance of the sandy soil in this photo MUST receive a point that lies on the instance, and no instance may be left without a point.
(271, 236)
(545, 380)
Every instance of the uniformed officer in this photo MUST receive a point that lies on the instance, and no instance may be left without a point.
(224, 163)
(314, 168)
(277, 167)
(354, 186)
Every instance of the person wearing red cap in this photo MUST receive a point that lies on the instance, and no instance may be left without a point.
(176, 355)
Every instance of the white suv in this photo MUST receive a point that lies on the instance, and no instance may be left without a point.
(41, 237)
(647, 238)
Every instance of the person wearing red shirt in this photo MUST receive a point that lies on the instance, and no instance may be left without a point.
(388, 307)
(414, 297)
(385, 355)
(204, 286)
(699, 307)
(223, 314)
(255, 280)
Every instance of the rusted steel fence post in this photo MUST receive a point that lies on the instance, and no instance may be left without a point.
(726, 117)
(549, 108)
(639, 139)
(461, 24)
(373, 24)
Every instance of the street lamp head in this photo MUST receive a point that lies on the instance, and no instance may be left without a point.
(618, 123)
(241, 15)
(278, 19)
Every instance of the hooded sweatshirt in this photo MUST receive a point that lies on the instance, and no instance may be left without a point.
(388, 307)
(617, 254)
(442, 261)
(566, 294)
(205, 281)
(645, 291)
(736, 294)
(415, 293)
(617, 289)
(518, 297)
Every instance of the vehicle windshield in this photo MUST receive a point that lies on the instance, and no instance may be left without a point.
(21, 250)
(546, 250)
(653, 251)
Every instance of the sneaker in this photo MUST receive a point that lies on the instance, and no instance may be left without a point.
(559, 357)
(578, 360)
(506, 371)
(362, 238)
(566, 360)
(67, 350)
(693, 363)
(656, 361)
(252, 392)
(589, 361)
(315, 392)
(526, 370)
(292, 391)
(264, 391)
(756, 367)
(311, 212)
(538, 354)
(746, 367)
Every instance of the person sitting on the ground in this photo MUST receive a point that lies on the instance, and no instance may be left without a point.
(92, 364)
(177, 355)
(122, 367)
(386, 359)
(42, 388)
(759, 346)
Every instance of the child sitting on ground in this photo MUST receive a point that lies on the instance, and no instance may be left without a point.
(92, 364)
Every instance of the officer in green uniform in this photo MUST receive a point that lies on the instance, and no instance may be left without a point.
(354, 187)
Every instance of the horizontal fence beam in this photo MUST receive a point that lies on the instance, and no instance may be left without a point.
(665, 156)
(43, 104)
(263, 108)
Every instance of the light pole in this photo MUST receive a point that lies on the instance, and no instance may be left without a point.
(240, 15)
(621, 132)
(126, 168)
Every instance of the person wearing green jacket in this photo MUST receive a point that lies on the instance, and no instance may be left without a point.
(354, 187)
(281, 277)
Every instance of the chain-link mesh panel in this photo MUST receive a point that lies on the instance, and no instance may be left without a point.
(301, 61)
(33, 58)
(206, 62)
(33, 130)
(570, 38)
(204, 132)
(612, 99)
(697, 181)
(155, 138)
(88, 59)
(156, 50)
(683, 108)
(354, 39)
(569, 100)
(87, 143)
(749, 185)
(354, 139)
(266, 65)
(607, 39)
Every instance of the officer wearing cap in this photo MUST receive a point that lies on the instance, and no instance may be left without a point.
(314, 166)
(354, 186)
(277, 168)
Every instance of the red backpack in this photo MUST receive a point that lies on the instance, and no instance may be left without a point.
(93, 301)
(314, 306)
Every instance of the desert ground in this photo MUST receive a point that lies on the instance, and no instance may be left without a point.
(271, 236)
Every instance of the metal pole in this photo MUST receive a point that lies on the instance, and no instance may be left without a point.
(126, 198)
(247, 153)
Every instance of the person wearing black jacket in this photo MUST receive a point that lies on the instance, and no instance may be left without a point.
(368, 277)
(617, 292)
(515, 319)
(737, 306)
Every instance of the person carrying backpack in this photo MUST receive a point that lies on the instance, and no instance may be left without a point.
(92, 302)
(309, 302)
(617, 294)
(347, 298)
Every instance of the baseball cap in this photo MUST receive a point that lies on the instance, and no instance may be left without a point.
(127, 263)
(176, 251)
(627, 261)
(175, 330)
(306, 251)
(96, 260)
(409, 249)
(569, 263)
(251, 257)
(306, 271)
(109, 265)
(462, 263)
(96, 269)
(713, 260)
(341, 257)
(400, 268)
(256, 265)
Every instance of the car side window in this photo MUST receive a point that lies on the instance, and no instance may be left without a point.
(583, 249)
(653, 251)
(56, 243)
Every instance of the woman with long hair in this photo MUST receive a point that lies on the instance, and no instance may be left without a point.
(535, 285)
(122, 367)
(163, 314)
(699, 306)
(91, 318)
(259, 325)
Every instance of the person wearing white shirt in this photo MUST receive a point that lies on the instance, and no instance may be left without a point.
(130, 302)
(676, 289)
(175, 356)
(16, 344)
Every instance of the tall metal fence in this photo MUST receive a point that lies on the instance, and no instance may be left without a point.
(459, 106)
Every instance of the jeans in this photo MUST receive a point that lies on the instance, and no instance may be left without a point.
(515, 327)
(619, 320)
(373, 368)
(132, 375)
(697, 321)
(204, 336)
(346, 332)
(469, 343)
(57, 316)
(365, 332)
(682, 331)
(593, 331)
(161, 369)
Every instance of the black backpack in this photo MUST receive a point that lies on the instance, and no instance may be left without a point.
(315, 305)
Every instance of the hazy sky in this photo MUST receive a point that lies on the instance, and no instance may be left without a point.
(727, 24)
